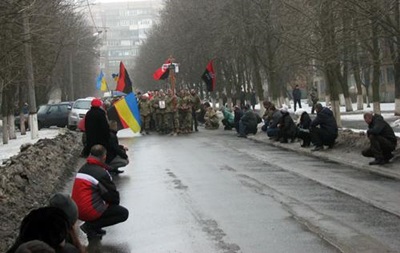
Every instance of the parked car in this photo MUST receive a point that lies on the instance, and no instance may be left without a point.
(53, 115)
(78, 111)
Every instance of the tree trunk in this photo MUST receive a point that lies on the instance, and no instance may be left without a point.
(397, 61)
(30, 78)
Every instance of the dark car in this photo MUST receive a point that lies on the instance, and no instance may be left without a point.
(53, 115)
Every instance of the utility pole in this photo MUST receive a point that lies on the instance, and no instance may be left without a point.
(29, 77)
(71, 78)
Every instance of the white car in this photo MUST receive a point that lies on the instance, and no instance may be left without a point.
(78, 111)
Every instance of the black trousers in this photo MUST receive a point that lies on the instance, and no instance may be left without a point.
(296, 101)
(194, 116)
(305, 136)
(113, 215)
(380, 148)
(321, 137)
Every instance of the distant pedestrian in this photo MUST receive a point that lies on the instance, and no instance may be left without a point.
(324, 130)
(253, 99)
(296, 96)
(96, 195)
(314, 98)
(382, 139)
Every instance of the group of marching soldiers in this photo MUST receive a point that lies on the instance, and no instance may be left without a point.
(169, 113)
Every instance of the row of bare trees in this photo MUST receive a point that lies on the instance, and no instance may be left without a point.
(268, 45)
(45, 45)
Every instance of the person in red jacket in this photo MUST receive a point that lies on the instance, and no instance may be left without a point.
(96, 195)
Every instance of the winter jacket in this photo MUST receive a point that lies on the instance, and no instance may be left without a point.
(296, 94)
(249, 118)
(305, 121)
(93, 190)
(115, 148)
(380, 127)
(228, 115)
(286, 124)
(97, 128)
(326, 120)
(276, 116)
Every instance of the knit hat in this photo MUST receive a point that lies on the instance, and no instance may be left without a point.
(96, 102)
(47, 224)
(35, 246)
(65, 203)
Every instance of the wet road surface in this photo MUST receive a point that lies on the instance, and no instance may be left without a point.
(213, 192)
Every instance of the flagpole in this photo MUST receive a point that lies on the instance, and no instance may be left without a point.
(171, 73)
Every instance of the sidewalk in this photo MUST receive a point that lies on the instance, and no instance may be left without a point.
(347, 156)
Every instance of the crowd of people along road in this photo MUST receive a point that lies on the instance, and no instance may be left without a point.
(319, 132)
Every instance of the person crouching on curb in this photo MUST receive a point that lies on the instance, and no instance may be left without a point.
(116, 155)
(381, 137)
(96, 195)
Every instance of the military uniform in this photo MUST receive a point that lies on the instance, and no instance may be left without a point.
(196, 104)
(211, 118)
(185, 113)
(145, 114)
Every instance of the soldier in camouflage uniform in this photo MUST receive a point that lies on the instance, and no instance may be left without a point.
(162, 107)
(196, 104)
(156, 111)
(211, 118)
(145, 113)
(185, 112)
(170, 111)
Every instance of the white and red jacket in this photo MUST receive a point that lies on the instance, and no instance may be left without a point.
(93, 190)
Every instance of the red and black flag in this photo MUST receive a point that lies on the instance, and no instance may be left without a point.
(162, 73)
(209, 76)
(124, 82)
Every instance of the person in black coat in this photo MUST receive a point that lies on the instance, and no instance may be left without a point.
(116, 154)
(382, 139)
(287, 128)
(238, 113)
(303, 128)
(327, 132)
(96, 127)
(296, 96)
(248, 122)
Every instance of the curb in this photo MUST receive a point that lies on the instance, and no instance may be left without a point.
(388, 170)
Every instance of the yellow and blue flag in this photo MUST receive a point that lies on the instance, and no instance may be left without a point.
(101, 83)
(126, 112)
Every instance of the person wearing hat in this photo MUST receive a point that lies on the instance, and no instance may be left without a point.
(96, 126)
(47, 224)
(68, 205)
(35, 246)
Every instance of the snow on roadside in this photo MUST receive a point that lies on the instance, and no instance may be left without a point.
(13, 146)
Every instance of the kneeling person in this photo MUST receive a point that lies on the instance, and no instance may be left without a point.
(96, 195)
(116, 155)
(381, 137)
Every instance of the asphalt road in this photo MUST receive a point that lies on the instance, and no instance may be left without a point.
(213, 192)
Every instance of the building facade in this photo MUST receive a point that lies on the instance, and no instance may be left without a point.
(123, 26)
